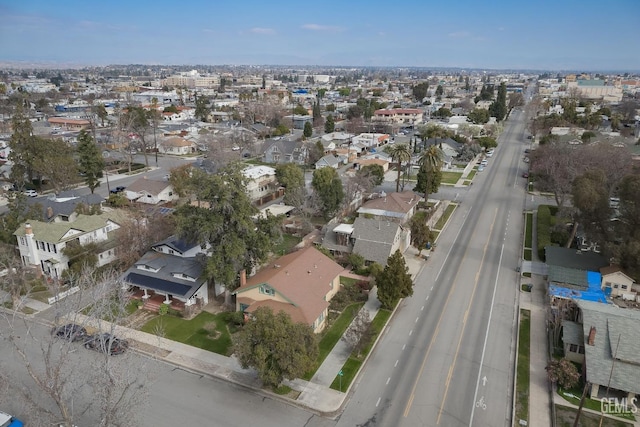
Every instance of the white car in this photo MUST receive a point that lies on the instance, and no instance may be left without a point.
(489, 153)
(31, 193)
(235, 148)
(484, 162)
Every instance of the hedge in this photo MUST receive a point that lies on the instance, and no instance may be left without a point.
(544, 229)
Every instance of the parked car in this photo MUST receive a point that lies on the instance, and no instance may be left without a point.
(71, 332)
(118, 189)
(480, 168)
(525, 175)
(31, 193)
(484, 162)
(7, 420)
(107, 343)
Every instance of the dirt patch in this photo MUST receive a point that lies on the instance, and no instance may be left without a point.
(210, 327)
(149, 349)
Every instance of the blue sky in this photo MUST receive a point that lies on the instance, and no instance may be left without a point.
(516, 34)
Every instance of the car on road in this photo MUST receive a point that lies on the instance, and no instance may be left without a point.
(107, 343)
(31, 193)
(70, 332)
(480, 168)
(525, 174)
(118, 189)
(7, 420)
(484, 162)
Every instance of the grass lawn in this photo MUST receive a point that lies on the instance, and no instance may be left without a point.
(522, 384)
(565, 417)
(333, 335)
(435, 235)
(528, 236)
(348, 281)
(527, 254)
(472, 173)
(206, 331)
(466, 182)
(589, 403)
(353, 363)
(450, 177)
(445, 216)
(287, 244)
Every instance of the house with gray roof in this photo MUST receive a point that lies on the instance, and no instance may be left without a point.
(376, 240)
(396, 207)
(284, 151)
(574, 274)
(611, 340)
(41, 244)
(328, 161)
(64, 206)
(174, 270)
(151, 191)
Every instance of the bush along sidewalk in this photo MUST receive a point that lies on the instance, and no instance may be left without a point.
(361, 347)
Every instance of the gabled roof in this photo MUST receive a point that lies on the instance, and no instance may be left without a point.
(571, 258)
(374, 239)
(329, 160)
(302, 277)
(164, 280)
(611, 269)
(398, 203)
(614, 359)
(177, 244)
(177, 141)
(57, 232)
(64, 203)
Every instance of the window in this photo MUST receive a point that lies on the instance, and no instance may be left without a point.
(581, 349)
(624, 287)
(267, 290)
(22, 241)
(615, 286)
(573, 348)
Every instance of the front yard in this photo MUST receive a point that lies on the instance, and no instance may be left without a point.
(206, 331)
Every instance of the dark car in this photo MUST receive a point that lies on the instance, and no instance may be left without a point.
(70, 332)
(107, 343)
(117, 190)
(525, 175)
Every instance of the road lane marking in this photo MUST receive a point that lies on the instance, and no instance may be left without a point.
(388, 379)
(427, 298)
(410, 332)
(378, 402)
(403, 346)
(486, 338)
(464, 320)
(422, 308)
(416, 320)
(446, 303)
(396, 364)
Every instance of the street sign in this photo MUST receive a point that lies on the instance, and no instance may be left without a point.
(340, 373)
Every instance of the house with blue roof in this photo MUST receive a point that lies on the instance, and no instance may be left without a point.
(575, 274)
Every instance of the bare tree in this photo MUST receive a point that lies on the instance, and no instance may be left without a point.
(14, 277)
(358, 333)
(72, 385)
(136, 235)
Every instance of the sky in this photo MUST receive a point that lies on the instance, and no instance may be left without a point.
(558, 35)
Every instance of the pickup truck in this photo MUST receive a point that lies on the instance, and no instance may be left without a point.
(7, 420)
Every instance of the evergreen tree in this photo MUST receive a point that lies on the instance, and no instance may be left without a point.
(394, 282)
(308, 130)
(90, 161)
(329, 125)
(24, 149)
(328, 186)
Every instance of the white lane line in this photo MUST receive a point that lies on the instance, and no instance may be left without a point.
(410, 332)
(388, 379)
(396, 364)
(403, 347)
(416, 320)
(378, 402)
(422, 308)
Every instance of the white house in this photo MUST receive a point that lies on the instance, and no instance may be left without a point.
(151, 191)
(177, 145)
(41, 244)
(261, 182)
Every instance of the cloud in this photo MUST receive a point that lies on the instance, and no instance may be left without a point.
(318, 27)
(258, 30)
(459, 35)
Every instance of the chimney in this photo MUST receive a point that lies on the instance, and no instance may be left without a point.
(27, 229)
(243, 277)
(591, 340)
(49, 212)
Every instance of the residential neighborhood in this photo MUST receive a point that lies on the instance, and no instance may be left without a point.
(330, 203)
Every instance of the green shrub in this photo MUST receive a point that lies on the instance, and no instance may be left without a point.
(163, 309)
(544, 229)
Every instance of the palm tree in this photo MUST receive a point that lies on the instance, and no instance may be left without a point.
(430, 160)
(399, 153)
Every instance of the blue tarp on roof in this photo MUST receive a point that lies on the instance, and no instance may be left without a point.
(592, 293)
(301, 91)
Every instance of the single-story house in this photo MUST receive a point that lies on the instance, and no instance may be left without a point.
(329, 160)
(396, 207)
(151, 191)
(177, 145)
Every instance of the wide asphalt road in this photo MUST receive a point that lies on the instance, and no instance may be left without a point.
(447, 356)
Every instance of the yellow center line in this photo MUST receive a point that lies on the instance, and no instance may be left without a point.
(464, 321)
(437, 330)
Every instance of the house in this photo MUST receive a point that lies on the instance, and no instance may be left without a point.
(611, 340)
(329, 161)
(284, 151)
(301, 284)
(396, 207)
(573, 341)
(574, 274)
(41, 244)
(262, 184)
(362, 162)
(66, 206)
(615, 283)
(376, 240)
(151, 191)
(171, 273)
(371, 140)
(177, 145)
